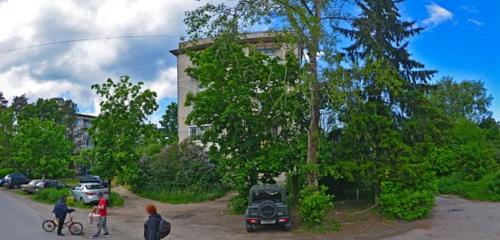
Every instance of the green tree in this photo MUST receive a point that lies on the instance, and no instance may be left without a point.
(118, 129)
(6, 134)
(56, 109)
(253, 110)
(309, 24)
(467, 99)
(169, 123)
(41, 148)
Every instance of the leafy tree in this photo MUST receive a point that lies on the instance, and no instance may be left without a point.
(3, 101)
(253, 111)
(169, 123)
(118, 129)
(56, 109)
(310, 26)
(467, 99)
(6, 134)
(41, 148)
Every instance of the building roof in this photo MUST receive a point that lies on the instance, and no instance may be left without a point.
(85, 115)
(253, 37)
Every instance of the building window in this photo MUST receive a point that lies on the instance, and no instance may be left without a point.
(195, 131)
(271, 52)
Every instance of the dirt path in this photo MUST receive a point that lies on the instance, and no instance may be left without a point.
(459, 219)
(453, 218)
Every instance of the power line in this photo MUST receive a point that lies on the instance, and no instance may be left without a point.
(87, 39)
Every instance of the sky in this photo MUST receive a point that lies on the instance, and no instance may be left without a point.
(460, 40)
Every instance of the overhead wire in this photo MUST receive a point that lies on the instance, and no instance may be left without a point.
(85, 40)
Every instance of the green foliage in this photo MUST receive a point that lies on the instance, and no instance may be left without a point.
(314, 205)
(6, 135)
(180, 196)
(58, 110)
(239, 203)
(115, 200)
(41, 148)
(118, 129)
(253, 110)
(485, 189)
(466, 99)
(169, 123)
(5, 171)
(470, 152)
(407, 204)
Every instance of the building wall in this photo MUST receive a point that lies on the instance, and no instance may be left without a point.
(263, 41)
(81, 137)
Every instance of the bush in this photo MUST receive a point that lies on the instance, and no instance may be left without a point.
(314, 205)
(239, 203)
(5, 171)
(178, 196)
(486, 189)
(407, 204)
(50, 195)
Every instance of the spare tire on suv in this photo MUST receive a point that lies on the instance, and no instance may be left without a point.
(267, 206)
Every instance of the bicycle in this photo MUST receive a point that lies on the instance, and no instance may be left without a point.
(75, 228)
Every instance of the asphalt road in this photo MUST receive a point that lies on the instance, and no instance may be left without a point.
(19, 221)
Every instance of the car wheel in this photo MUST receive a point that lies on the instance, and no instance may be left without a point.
(250, 227)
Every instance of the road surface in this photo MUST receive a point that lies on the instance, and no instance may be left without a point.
(453, 218)
(19, 221)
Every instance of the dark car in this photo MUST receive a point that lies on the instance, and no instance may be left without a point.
(267, 206)
(15, 180)
(47, 183)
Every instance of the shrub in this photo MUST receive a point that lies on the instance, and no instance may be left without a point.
(178, 196)
(486, 189)
(407, 204)
(314, 205)
(5, 171)
(50, 195)
(238, 203)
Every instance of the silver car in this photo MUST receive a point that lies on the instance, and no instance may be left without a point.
(87, 192)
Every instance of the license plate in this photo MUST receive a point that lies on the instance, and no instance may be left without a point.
(267, 221)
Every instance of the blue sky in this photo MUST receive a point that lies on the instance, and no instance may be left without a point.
(460, 40)
(464, 45)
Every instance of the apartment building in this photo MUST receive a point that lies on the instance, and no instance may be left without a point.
(81, 137)
(266, 42)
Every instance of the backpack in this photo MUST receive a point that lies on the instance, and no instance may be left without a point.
(164, 228)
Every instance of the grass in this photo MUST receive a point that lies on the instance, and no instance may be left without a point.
(183, 196)
(485, 189)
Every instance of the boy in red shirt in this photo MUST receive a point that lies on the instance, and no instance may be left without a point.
(102, 211)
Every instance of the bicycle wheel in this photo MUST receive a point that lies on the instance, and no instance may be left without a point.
(76, 228)
(49, 225)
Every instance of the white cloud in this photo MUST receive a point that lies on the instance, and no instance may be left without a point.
(437, 15)
(70, 69)
(475, 22)
(165, 85)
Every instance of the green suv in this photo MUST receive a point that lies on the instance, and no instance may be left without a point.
(267, 206)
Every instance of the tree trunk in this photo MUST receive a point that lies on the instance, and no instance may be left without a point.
(295, 189)
(313, 135)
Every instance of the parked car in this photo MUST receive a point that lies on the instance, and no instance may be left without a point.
(93, 179)
(15, 180)
(30, 187)
(47, 183)
(87, 192)
(267, 206)
(1, 182)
